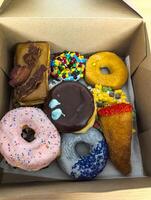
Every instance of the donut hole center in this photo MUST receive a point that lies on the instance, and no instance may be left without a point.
(28, 134)
(105, 70)
(82, 148)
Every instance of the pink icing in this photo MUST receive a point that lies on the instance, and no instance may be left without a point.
(18, 152)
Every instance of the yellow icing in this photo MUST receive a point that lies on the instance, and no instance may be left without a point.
(102, 95)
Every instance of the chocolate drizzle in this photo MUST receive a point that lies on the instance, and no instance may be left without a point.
(31, 84)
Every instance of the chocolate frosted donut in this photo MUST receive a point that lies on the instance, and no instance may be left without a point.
(70, 106)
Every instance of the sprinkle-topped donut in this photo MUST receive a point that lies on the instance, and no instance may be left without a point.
(68, 66)
(28, 155)
(83, 164)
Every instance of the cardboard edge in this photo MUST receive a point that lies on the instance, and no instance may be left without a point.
(75, 187)
(137, 78)
(136, 60)
(143, 97)
(131, 4)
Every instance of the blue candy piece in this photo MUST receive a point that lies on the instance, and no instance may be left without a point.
(56, 114)
(88, 166)
(54, 103)
(83, 60)
(77, 59)
(52, 63)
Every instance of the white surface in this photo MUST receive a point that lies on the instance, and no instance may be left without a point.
(55, 173)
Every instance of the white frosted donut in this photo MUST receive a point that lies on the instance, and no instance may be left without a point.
(26, 155)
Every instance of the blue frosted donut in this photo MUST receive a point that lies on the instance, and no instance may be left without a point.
(88, 166)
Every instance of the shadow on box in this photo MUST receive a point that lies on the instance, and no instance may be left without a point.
(125, 37)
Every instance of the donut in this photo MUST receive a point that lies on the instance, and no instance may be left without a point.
(28, 155)
(117, 71)
(83, 165)
(68, 66)
(29, 77)
(70, 106)
(105, 96)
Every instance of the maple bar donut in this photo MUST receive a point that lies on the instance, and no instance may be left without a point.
(71, 107)
(29, 77)
(117, 71)
(17, 151)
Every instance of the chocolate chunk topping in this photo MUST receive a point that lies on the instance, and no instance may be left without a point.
(32, 56)
(19, 75)
(31, 84)
(111, 94)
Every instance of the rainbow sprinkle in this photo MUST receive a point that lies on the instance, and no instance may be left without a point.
(68, 66)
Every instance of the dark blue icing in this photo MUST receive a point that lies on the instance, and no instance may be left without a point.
(89, 166)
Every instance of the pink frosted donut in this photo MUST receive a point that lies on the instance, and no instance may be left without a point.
(18, 152)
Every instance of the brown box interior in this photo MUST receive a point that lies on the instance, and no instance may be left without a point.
(125, 35)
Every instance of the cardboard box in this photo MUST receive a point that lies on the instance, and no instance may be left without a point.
(4, 4)
(86, 26)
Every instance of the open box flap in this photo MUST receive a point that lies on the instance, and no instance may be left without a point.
(66, 8)
(134, 6)
(142, 87)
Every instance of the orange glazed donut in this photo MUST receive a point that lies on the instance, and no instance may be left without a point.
(117, 75)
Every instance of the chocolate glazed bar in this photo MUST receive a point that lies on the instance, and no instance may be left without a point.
(29, 76)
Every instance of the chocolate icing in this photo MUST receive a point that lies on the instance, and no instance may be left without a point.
(31, 84)
(76, 104)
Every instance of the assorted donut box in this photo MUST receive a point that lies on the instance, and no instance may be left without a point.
(74, 95)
